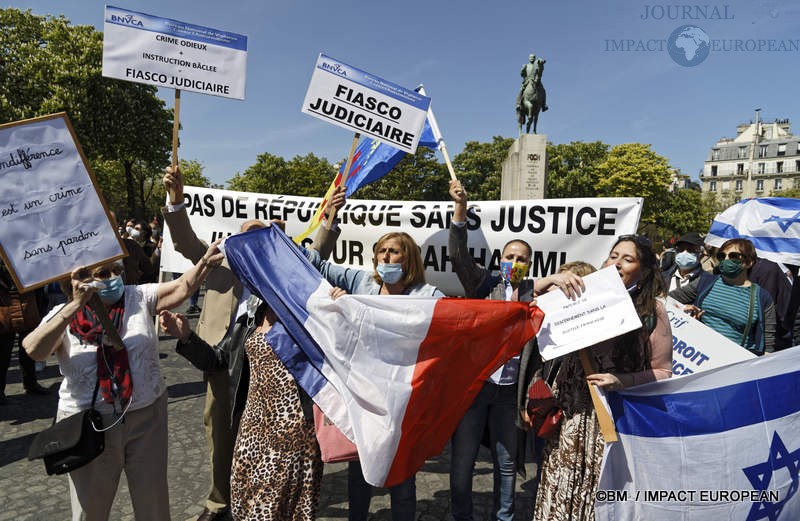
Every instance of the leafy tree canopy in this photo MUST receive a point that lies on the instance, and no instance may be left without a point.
(48, 65)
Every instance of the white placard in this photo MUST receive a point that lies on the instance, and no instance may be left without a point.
(159, 51)
(51, 218)
(356, 100)
(696, 347)
(604, 310)
(560, 230)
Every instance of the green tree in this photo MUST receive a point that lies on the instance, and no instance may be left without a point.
(634, 170)
(306, 175)
(789, 192)
(479, 167)
(48, 65)
(571, 168)
(685, 211)
(417, 177)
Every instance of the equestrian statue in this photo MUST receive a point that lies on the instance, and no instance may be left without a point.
(532, 97)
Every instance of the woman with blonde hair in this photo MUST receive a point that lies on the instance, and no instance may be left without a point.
(397, 270)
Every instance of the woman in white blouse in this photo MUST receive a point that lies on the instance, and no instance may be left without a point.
(125, 386)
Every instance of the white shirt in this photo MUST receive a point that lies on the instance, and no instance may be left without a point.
(78, 362)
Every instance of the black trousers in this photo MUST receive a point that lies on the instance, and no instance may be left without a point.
(26, 363)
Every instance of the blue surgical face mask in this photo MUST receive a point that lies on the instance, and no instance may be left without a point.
(113, 290)
(686, 260)
(390, 273)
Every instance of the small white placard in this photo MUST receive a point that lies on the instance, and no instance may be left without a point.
(696, 347)
(604, 310)
(147, 49)
(52, 219)
(356, 100)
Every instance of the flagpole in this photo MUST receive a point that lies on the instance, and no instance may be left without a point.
(347, 165)
(447, 161)
(438, 135)
(176, 123)
(603, 418)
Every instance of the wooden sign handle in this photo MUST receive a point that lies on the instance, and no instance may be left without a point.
(176, 123)
(347, 165)
(110, 333)
(603, 418)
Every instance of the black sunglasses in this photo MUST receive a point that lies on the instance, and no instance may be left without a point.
(641, 240)
(686, 247)
(101, 274)
(734, 255)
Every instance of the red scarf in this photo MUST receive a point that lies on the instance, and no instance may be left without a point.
(113, 368)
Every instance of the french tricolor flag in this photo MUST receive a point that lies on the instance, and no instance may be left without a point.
(394, 373)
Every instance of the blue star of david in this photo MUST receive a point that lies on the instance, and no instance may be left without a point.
(760, 476)
(784, 222)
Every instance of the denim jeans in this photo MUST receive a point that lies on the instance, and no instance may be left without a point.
(359, 492)
(495, 405)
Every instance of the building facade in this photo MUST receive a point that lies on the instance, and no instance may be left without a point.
(761, 161)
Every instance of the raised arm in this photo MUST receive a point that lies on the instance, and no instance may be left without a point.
(184, 240)
(173, 293)
(473, 277)
(49, 336)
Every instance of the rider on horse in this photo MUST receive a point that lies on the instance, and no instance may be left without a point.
(528, 74)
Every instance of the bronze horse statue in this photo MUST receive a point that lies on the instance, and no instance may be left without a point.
(532, 98)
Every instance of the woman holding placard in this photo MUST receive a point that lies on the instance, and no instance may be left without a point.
(134, 400)
(571, 459)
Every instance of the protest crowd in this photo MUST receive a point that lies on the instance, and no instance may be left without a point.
(265, 456)
(451, 327)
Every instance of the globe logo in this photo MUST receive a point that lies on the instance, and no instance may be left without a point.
(688, 45)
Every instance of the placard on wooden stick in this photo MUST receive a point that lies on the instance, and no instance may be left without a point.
(52, 216)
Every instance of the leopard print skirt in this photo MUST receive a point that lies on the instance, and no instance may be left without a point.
(277, 470)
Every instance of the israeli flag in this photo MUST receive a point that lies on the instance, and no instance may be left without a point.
(719, 445)
(771, 223)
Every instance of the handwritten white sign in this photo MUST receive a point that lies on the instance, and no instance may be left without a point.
(142, 48)
(696, 347)
(560, 230)
(356, 100)
(51, 218)
(603, 311)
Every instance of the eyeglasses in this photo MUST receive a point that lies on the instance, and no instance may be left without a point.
(686, 247)
(101, 273)
(734, 255)
(641, 240)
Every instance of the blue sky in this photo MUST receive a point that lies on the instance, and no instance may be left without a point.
(468, 54)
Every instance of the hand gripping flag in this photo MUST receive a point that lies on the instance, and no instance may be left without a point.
(394, 373)
(772, 224)
(719, 445)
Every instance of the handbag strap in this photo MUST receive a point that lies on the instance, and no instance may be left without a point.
(749, 314)
(94, 398)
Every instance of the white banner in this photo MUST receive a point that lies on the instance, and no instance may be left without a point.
(696, 347)
(559, 230)
(167, 53)
(356, 100)
(604, 310)
(51, 217)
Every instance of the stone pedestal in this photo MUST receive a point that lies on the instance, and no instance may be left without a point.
(524, 174)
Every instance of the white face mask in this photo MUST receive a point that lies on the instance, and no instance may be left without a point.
(134, 233)
(129, 229)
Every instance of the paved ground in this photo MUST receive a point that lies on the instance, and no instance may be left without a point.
(27, 493)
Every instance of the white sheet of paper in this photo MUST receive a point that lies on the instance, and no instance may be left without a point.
(603, 311)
